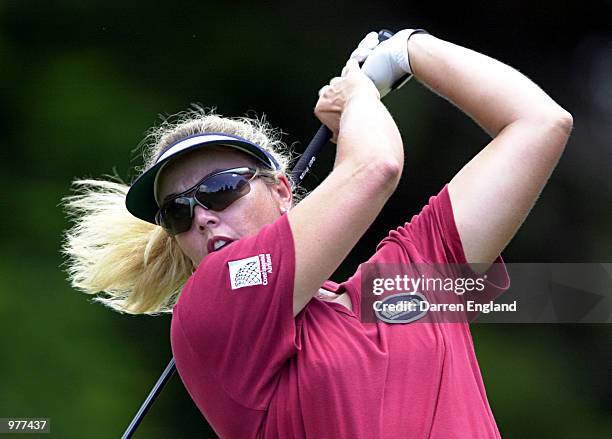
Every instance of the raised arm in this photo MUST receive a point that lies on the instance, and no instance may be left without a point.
(494, 192)
(369, 158)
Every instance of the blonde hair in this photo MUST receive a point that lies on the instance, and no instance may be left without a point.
(137, 266)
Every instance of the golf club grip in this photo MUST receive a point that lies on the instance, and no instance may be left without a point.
(296, 175)
(309, 156)
(321, 138)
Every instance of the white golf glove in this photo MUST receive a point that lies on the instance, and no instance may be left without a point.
(387, 64)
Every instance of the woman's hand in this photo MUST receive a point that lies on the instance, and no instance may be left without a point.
(327, 223)
(386, 63)
(336, 97)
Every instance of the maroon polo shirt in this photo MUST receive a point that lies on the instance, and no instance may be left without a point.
(256, 371)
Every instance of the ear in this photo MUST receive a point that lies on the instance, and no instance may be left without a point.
(283, 193)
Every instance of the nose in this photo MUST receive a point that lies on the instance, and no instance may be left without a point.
(204, 219)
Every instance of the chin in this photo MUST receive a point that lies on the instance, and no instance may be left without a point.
(196, 261)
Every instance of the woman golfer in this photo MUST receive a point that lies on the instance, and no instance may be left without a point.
(264, 343)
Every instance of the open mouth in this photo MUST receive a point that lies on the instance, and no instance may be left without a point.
(218, 242)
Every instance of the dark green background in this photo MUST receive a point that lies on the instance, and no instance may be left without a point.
(82, 80)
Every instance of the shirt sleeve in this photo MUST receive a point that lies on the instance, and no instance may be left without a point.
(236, 313)
(431, 237)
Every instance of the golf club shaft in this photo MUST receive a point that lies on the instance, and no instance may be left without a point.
(146, 405)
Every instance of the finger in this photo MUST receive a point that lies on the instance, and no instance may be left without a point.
(344, 71)
(370, 41)
(351, 66)
(335, 81)
(360, 54)
(323, 90)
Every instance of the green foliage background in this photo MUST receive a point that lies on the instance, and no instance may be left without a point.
(81, 83)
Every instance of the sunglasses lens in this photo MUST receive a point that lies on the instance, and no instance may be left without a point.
(221, 190)
(215, 193)
(176, 215)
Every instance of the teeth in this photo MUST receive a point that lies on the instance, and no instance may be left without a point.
(219, 244)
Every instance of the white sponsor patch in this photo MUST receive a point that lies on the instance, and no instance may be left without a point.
(250, 271)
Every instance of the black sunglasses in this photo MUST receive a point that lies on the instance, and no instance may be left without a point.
(214, 192)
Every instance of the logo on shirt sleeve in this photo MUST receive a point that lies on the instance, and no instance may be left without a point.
(250, 271)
